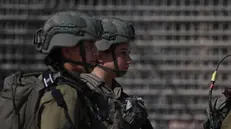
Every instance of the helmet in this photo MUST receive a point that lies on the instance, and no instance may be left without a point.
(115, 31)
(66, 29)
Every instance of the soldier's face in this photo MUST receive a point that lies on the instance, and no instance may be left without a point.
(122, 54)
(73, 53)
(91, 52)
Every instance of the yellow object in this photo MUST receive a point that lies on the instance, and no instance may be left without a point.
(214, 76)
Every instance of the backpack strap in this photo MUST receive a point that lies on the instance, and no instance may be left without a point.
(82, 89)
(61, 102)
(50, 80)
(86, 94)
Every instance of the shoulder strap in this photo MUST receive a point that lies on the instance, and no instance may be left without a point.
(50, 80)
(61, 102)
(85, 94)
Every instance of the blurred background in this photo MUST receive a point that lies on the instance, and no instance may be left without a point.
(179, 44)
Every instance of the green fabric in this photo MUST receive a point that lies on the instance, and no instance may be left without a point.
(226, 124)
(53, 117)
(24, 90)
(133, 118)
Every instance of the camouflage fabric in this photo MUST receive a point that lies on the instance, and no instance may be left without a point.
(133, 112)
(106, 102)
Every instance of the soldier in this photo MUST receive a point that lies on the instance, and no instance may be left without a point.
(116, 109)
(68, 39)
(52, 99)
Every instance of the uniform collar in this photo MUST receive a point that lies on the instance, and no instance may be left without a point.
(116, 87)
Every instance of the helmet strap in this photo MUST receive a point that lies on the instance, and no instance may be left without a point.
(119, 73)
(83, 56)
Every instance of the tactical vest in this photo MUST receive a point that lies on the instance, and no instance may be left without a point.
(134, 114)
